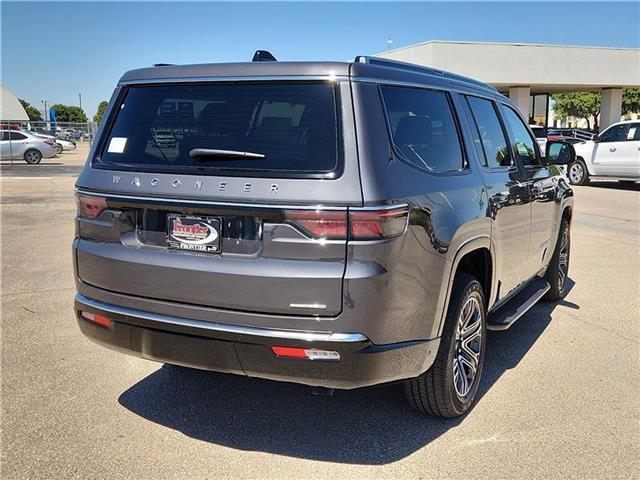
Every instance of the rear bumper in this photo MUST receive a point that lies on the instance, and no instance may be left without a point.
(247, 350)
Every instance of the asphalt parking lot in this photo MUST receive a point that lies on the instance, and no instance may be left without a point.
(559, 395)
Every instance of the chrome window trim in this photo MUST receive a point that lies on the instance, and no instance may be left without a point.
(455, 86)
(221, 327)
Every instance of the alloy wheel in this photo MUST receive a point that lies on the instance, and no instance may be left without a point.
(563, 267)
(32, 157)
(576, 173)
(468, 342)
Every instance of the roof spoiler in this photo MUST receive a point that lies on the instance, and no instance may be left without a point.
(263, 56)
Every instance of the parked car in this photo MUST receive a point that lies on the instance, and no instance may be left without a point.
(614, 154)
(337, 225)
(541, 136)
(60, 145)
(21, 145)
(64, 145)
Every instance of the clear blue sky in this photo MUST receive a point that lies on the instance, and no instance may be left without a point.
(53, 51)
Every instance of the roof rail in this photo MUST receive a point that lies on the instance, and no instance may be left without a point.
(411, 67)
(164, 64)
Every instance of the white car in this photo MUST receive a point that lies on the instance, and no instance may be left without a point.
(60, 144)
(17, 144)
(541, 137)
(64, 145)
(613, 155)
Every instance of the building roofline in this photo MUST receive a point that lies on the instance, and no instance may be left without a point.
(506, 44)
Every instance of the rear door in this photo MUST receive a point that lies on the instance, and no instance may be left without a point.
(246, 209)
(542, 185)
(508, 193)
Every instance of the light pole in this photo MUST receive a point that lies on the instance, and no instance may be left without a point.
(80, 98)
(46, 111)
(389, 42)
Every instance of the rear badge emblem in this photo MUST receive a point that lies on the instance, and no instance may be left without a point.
(176, 183)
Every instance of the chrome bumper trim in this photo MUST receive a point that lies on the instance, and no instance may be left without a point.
(221, 327)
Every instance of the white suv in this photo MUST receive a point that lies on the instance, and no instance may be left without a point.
(614, 154)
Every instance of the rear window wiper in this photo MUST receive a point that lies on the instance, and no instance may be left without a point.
(214, 154)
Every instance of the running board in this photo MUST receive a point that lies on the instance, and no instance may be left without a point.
(506, 315)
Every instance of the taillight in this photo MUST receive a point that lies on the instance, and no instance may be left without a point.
(48, 141)
(90, 206)
(364, 224)
(321, 224)
(376, 224)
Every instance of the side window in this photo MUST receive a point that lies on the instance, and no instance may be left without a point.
(617, 133)
(522, 141)
(494, 143)
(634, 132)
(4, 136)
(17, 136)
(423, 128)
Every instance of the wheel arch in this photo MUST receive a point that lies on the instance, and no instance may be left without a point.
(475, 257)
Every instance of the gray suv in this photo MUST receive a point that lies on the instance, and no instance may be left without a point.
(337, 225)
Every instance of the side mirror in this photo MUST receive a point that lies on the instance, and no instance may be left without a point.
(560, 153)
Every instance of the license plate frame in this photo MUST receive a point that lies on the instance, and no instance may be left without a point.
(194, 233)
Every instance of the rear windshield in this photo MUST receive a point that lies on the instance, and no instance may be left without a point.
(274, 129)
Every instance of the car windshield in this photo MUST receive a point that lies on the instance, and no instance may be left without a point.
(289, 128)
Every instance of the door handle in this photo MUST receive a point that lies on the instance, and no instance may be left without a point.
(612, 149)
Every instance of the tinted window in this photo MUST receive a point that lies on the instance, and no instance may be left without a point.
(539, 132)
(423, 128)
(294, 126)
(617, 133)
(522, 141)
(492, 138)
(634, 132)
(17, 136)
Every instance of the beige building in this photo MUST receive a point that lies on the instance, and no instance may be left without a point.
(529, 73)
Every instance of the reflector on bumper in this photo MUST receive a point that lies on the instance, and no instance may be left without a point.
(306, 353)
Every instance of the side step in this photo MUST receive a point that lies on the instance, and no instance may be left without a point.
(507, 314)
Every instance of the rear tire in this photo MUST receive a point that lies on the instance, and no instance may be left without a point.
(449, 387)
(58, 148)
(32, 156)
(577, 173)
(558, 269)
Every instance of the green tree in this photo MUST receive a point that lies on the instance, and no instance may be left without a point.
(101, 109)
(69, 113)
(631, 100)
(577, 104)
(32, 112)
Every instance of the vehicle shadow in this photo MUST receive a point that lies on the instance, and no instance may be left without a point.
(367, 426)
(616, 185)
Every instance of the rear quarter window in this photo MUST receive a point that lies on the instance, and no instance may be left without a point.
(423, 128)
(291, 128)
